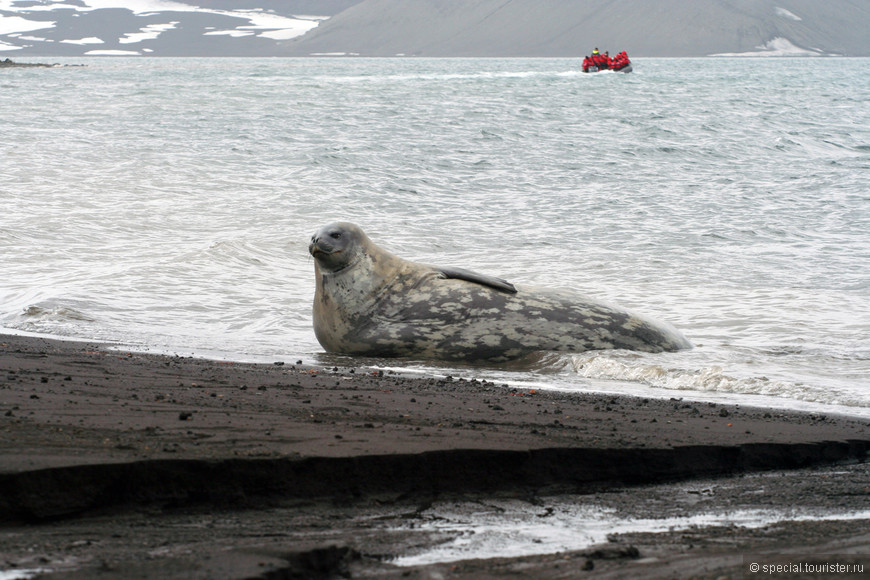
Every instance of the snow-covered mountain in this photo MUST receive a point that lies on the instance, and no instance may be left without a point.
(670, 28)
(157, 27)
(433, 27)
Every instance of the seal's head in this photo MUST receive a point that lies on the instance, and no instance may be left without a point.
(337, 246)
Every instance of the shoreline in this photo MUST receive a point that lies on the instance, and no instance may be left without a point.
(90, 435)
(9, 63)
(471, 372)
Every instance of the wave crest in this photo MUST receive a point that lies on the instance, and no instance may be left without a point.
(712, 379)
(54, 313)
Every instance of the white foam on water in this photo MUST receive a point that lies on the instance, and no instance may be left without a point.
(511, 528)
(713, 380)
(23, 574)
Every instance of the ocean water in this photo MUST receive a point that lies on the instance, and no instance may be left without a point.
(167, 204)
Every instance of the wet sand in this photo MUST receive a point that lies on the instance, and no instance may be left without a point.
(126, 465)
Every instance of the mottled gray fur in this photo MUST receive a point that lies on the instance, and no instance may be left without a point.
(370, 302)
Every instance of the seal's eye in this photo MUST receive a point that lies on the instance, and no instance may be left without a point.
(335, 235)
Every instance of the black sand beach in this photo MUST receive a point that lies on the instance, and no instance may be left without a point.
(125, 465)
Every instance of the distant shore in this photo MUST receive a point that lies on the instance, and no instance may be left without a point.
(9, 63)
(92, 439)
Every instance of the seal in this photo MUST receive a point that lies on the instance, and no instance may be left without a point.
(370, 302)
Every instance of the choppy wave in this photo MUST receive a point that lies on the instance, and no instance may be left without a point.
(59, 314)
(713, 379)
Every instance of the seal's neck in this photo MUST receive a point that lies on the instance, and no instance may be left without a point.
(357, 287)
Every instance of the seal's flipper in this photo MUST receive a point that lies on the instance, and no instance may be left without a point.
(468, 275)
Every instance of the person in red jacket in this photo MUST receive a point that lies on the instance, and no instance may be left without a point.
(620, 61)
(616, 62)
